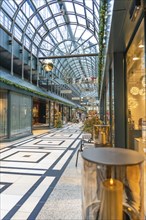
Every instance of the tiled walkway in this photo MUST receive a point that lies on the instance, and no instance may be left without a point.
(39, 179)
(30, 171)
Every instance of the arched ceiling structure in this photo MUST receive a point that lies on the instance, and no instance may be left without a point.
(66, 31)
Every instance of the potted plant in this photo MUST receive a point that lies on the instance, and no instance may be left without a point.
(89, 124)
(58, 120)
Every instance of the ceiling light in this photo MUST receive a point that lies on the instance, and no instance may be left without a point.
(47, 65)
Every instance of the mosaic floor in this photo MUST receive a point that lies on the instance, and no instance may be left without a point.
(39, 180)
(30, 170)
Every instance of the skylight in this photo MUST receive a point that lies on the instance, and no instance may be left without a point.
(57, 28)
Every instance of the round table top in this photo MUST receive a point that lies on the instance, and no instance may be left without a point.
(112, 156)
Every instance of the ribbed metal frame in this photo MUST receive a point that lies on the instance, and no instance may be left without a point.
(75, 67)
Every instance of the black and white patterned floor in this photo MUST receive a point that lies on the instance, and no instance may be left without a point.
(30, 170)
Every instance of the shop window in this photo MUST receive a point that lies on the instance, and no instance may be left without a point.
(136, 90)
(20, 115)
(3, 114)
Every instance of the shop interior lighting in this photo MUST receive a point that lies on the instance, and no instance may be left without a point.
(135, 58)
(141, 46)
(134, 90)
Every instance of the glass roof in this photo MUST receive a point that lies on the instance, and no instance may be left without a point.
(50, 28)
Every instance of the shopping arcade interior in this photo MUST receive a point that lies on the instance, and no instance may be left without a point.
(22, 58)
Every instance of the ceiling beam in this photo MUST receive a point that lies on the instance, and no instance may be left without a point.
(69, 56)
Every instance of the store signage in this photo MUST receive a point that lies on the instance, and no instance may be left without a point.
(75, 98)
(66, 91)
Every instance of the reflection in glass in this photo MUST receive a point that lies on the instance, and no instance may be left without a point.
(20, 114)
(136, 90)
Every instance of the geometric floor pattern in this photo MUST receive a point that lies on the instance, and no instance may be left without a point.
(30, 170)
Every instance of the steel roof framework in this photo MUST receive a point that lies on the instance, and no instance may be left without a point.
(58, 28)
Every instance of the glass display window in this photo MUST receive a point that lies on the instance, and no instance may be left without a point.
(136, 88)
(3, 114)
(21, 114)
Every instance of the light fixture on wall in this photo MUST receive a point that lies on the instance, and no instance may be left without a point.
(141, 45)
(135, 58)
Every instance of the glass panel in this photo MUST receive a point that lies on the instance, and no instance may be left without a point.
(59, 19)
(81, 20)
(30, 31)
(27, 42)
(42, 31)
(93, 41)
(55, 8)
(9, 6)
(79, 31)
(27, 9)
(96, 25)
(64, 30)
(35, 21)
(21, 20)
(45, 13)
(37, 39)
(89, 15)
(20, 114)
(17, 33)
(69, 6)
(18, 1)
(50, 24)
(79, 9)
(136, 90)
(72, 18)
(34, 49)
(96, 15)
(89, 4)
(46, 45)
(3, 114)
(5, 20)
(38, 3)
(56, 35)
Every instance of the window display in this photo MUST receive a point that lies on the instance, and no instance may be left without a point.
(136, 87)
(20, 118)
(3, 114)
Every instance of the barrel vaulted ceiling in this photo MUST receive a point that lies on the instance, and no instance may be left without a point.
(64, 31)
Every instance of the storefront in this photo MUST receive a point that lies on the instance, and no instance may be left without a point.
(136, 89)
(123, 93)
(21, 113)
(15, 114)
(3, 113)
